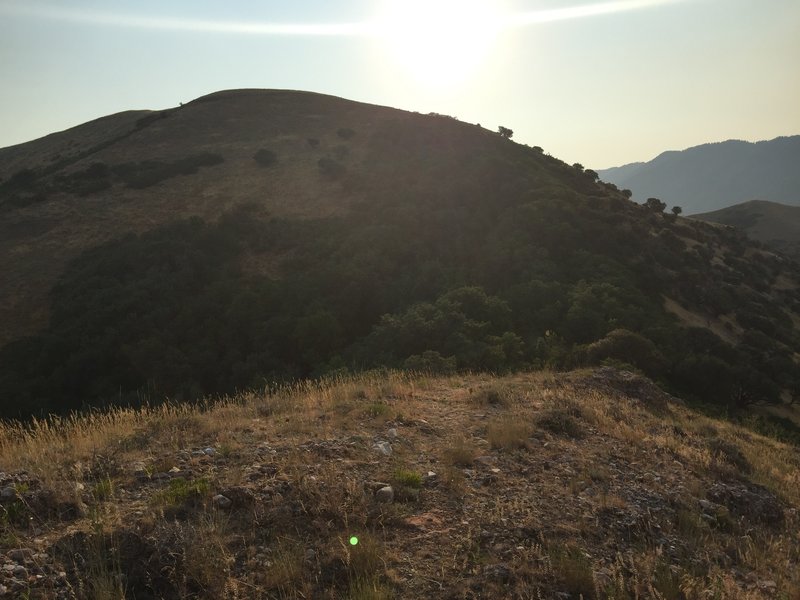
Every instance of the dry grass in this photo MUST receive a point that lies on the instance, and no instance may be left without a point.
(575, 511)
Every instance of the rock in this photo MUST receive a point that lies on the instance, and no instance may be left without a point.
(21, 572)
(385, 495)
(8, 492)
(221, 501)
(384, 448)
(310, 555)
(374, 486)
(174, 470)
(768, 586)
(209, 451)
(393, 433)
(3, 590)
(707, 506)
(748, 500)
(19, 555)
(239, 496)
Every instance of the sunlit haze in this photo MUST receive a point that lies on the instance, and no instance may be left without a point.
(601, 83)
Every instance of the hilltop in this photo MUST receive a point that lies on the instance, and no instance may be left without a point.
(254, 237)
(776, 225)
(591, 484)
(714, 176)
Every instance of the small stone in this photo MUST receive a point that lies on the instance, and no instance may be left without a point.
(393, 433)
(3, 590)
(310, 555)
(197, 453)
(384, 448)
(209, 451)
(374, 486)
(8, 492)
(174, 470)
(385, 495)
(221, 501)
(21, 572)
(767, 586)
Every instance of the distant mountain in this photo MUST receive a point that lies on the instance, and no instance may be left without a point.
(714, 176)
(777, 225)
(253, 237)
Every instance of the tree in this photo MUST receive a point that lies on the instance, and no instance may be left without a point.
(505, 132)
(655, 205)
(676, 210)
(578, 167)
(627, 193)
(593, 175)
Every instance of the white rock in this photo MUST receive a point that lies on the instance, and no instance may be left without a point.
(209, 451)
(8, 492)
(384, 448)
(393, 433)
(221, 501)
(385, 495)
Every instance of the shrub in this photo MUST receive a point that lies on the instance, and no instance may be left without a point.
(345, 133)
(628, 347)
(182, 491)
(561, 421)
(430, 361)
(265, 158)
(408, 478)
(508, 433)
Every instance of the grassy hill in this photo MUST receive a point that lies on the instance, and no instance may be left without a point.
(713, 176)
(591, 484)
(776, 225)
(255, 237)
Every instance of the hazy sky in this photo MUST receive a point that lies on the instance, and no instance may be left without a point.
(599, 82)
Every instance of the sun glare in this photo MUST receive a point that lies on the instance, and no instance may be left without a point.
(439, 42)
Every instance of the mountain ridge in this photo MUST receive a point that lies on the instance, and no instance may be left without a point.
(714, 175)
(777, 225)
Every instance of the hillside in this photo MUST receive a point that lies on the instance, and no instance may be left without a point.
(776, 225)
(714, 176)
(256, 237)
(591, 484)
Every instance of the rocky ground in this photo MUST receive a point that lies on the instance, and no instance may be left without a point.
(592, 484)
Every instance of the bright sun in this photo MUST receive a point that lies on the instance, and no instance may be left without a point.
(440, 42)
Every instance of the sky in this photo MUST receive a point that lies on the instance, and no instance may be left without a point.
(598, 82)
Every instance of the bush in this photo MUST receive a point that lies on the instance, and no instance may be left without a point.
(265, 158)
(345, 133)
(151, 172)
(628, 347)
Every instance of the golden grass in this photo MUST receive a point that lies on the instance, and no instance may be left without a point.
(444, 424)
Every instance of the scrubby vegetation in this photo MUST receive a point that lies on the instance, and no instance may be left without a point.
(555, 271)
